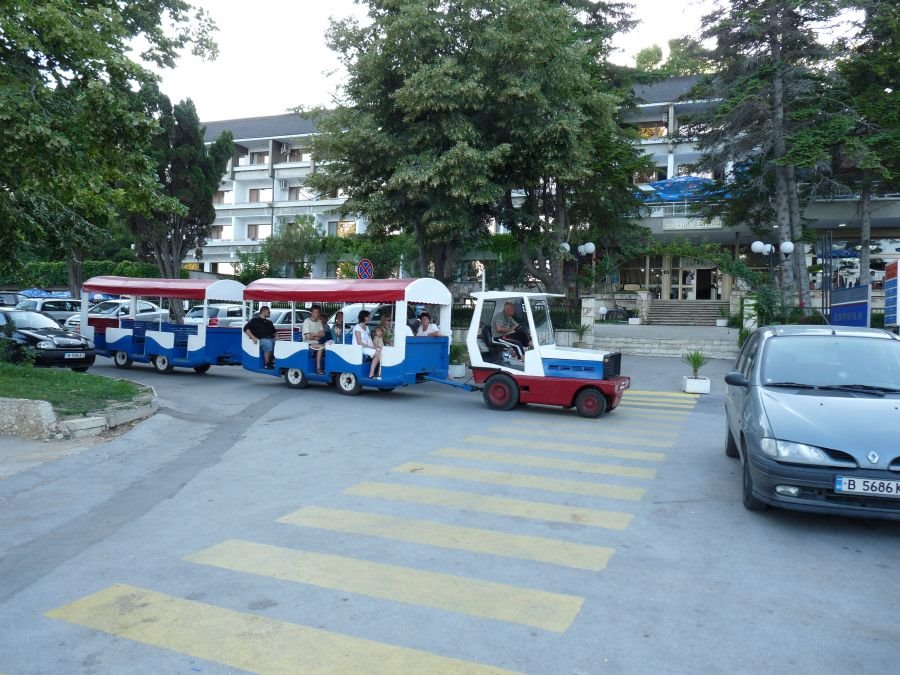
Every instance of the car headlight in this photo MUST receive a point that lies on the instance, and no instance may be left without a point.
(88, 344)
(45, 344)
(787, 451)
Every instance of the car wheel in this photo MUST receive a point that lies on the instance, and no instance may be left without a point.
(122, 360)
(162, 364)
(501, 393)
(731, 448)
(201, 369)
(750, 502)
(80, 370)
(348, 384)
(590, 403)
(295, 378)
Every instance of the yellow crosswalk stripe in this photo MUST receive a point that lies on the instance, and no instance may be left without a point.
(575, 487)
(609, 424)
(597, 435)
(664, 394)
(474, 597)
(557, 513)
(548, 462)
(247, 641)
(525, 443)
(492, 542)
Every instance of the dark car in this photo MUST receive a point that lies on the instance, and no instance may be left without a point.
(50, 344)
(813, 414)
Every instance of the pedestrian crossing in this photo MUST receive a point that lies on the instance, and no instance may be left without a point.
(501, 488)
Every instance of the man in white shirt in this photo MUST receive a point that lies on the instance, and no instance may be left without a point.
(426, 328)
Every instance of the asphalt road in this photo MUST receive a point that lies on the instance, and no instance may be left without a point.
(250, 527)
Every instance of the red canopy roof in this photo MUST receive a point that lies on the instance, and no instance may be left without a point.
(349, 290)
(186, 289)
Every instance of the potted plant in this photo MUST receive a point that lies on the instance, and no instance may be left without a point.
(694, 384)
(458, 355)
(581, 330)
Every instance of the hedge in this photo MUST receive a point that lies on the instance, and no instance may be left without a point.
(55, 274)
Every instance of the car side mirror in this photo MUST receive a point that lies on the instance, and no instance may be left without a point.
(737, 379)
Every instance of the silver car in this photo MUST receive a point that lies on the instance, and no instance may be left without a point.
(813, 414)
(118, 309)
(222, 316)
(59, 308)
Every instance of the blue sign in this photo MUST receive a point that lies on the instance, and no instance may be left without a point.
(851, 306)
(365, 269)
(890, 294)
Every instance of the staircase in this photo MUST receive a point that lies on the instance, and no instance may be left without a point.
(686, 312)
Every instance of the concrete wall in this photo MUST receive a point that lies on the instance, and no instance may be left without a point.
(26, 419)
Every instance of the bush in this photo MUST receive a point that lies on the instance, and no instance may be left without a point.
(742, 336)
(876, 320)
(735, 321)
(458, 353)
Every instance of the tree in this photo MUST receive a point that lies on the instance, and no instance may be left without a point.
(686, 57)
(293, 248)
(649, 58)
(460, 113)
(189, 174)
(70, 118)
(768, 63)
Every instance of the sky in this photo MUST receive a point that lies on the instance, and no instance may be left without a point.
(273, 56)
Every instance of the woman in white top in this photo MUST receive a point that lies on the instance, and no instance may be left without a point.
(361, 337)
(426, 328)
(313, 330)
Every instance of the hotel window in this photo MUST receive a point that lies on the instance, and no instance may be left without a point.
(259, 157)
(650, 130)
(260, 195)
(300, 193)
(216, 231)
(255, 231)
(300, 155)
(342, 228)
(223, 197)
(659, 173)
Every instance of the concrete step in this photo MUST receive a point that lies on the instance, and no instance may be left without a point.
(686, 312)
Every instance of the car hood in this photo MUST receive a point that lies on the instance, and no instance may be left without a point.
(856, 424)
(62, 338)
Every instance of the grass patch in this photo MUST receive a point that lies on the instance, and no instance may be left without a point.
(68, 392)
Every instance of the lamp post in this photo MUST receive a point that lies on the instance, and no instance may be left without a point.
(583, 249)
(785, 247)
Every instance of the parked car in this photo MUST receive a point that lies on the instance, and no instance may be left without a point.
(59, 308)
(51, 344)
(351, 314)
(10, 298)
(113, 309)
(223, 316)
(282, 318)
(813, 412)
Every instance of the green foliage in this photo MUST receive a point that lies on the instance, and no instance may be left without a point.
(696, 360)
(648, 58)
(581, 329)
(72, 117)
(458, 353)
(686, 57)
(55, 274)
(291, 251)
(742, 336)
(706, 251)
(876, 320)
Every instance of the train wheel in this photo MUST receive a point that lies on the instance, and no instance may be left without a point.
(590, 403)
(122, 360)
(501, 393)
(348, 384)
(295, 378)
(201, 369)
(162, 364)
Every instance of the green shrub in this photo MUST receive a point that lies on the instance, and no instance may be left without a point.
(742, 336)
(458, 353)
(876, 320)
(696, 360)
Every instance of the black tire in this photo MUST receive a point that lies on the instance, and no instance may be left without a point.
(162, 364)
(295, 378)
(751, 503)
(386, 389)
(122, 360)
(731, 448)
(501, 392)
(348, 384)
(590, 403)
(202, 369)
(82, 369)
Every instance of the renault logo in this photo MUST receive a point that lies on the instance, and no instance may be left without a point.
(873, 457)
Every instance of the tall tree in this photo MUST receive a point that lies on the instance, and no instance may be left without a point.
(457, 113)
(768, 61)
(67, 85)
(189, 173)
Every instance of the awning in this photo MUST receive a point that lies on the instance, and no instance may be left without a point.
(185, 289)
(426, 291)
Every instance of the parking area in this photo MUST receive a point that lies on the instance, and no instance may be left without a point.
(249, 527)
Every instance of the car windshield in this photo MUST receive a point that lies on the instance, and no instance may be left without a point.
(108, 307)
(831, 360)
(27, 304)
(31, 320)
(198, 312)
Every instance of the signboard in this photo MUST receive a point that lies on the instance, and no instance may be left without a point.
(890, 293)
(669, 224)
(365, 269)
(851, 306)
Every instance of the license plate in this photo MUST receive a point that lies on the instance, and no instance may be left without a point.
(867, 486)
(74, 355)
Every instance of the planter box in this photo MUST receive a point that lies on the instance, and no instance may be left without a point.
(695, 385)
(722, 323)
(634, 321)
(581, 344)
(457, 370)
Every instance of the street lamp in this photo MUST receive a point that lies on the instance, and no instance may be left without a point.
(583, 249)
(786, 247)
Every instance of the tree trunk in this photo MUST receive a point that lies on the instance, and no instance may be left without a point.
(865, 234)
(798, 259)
(420, 246)
(75, 269)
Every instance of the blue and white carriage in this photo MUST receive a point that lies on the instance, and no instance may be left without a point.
(163, 343)
(407, 361)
